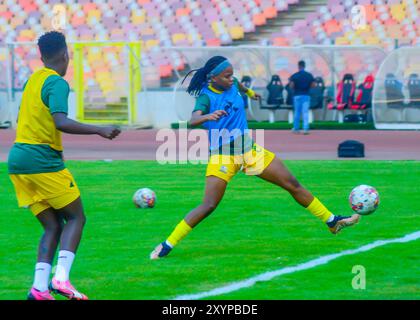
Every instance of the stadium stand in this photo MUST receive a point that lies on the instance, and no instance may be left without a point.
(386, 21)
(196, 23)
(161, 23)
(212, 23)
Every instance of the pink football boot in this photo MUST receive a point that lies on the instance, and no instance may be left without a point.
(66, 289)
(35, 294)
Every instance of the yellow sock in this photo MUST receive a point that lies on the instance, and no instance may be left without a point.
(179, 233)
(319, 210)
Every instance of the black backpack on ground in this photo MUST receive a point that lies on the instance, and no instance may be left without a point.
(351, 149)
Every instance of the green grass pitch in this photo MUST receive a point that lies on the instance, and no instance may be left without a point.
(257, 228)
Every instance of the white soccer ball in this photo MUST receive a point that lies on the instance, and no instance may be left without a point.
(364, 199)
(144, 198)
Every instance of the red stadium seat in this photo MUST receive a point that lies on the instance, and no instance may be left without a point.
(6, 14)
(165, 71)
(89, 7)
(78, 19)
(364, 97)
(270, 12)
(183, 12)
(215, 42)
(345, 93)
(371, 13)
(35, 64)
(280, 42)
(259, 19)
(332, 26)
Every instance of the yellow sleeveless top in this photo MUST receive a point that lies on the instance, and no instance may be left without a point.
(35, 122)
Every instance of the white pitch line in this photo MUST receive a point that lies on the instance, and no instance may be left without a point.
(267, 276)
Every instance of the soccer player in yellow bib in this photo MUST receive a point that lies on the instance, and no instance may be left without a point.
(38, 173)
(220, 109)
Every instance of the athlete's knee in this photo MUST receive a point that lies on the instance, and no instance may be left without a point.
(78, 218)
(209, 206)
(82, 220)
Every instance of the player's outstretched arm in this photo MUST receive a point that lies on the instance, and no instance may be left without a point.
(64, 124)
(242, 88)
(249, 92)
(198, 118)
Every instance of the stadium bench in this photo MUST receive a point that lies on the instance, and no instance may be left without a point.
(345, 96)
(275, 99)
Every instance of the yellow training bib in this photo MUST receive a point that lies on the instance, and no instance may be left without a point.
(35, 122)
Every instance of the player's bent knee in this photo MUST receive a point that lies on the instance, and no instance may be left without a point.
(82, 220)
(209, 207)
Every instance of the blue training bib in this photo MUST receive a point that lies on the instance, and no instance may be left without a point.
(229, 127)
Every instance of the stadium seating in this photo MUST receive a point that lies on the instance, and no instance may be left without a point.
(155, 24)
(363, 99)
(317, 94)
(345, 93)
(345, 96)
(394, 97)
(334, 23)
(413, 87)
(318, 98)
(393, 92)
(275, 92)
(161, 23)
(275, 99)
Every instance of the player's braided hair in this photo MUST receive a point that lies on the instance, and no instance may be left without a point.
(200, 78)
(51, 43)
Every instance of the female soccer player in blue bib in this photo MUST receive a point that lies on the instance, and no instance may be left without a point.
(220, 109)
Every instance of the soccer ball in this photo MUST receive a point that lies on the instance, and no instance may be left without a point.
(144, 198)
(364, 199)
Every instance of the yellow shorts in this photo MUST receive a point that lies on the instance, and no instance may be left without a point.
(252, 162)
(41, 191)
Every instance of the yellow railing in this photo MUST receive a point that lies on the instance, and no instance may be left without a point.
(134, 76)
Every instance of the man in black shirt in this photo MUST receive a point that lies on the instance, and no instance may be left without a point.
(301, 82)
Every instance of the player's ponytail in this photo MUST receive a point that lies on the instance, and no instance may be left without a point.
(201, 76)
